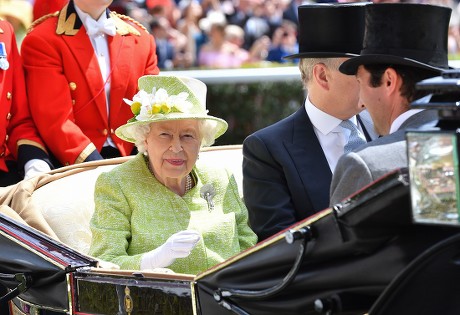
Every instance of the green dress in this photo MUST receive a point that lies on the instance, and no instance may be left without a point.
(134, 213)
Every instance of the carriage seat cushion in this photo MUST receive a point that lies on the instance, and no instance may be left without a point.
(67, 203)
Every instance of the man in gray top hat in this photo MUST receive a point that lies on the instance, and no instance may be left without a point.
(403, 44)
(288, 166)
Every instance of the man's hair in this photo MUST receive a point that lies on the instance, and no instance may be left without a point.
(306, 66)
(410, 76)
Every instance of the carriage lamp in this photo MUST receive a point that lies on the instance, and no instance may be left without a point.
(433, 173)
(433, 153)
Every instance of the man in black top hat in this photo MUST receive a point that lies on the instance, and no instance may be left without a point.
(287, 167)
(403, 44)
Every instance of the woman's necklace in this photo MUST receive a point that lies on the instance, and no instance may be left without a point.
(188, 183)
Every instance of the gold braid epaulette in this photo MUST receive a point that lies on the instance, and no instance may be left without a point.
(125, 17)
(41, 19)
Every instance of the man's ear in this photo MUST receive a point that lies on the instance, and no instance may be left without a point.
(320, 75)
(391, 80)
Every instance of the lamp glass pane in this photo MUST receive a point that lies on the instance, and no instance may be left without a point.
(433, 171)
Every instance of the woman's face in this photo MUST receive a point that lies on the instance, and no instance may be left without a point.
(173, 148)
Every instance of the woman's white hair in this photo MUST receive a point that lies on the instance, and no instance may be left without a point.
(207, 129)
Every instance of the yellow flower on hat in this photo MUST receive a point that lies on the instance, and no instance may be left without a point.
(142, 98)
(136, 108)
(156, 109)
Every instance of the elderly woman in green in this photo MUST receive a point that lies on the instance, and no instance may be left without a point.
(163, 209)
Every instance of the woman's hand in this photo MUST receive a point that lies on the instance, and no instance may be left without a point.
(178, 245)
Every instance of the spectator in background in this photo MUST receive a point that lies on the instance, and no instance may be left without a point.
(258, 52)
(274, 13)
(256, 25)
(188, 25)
(169, 43)
(218, 52)
(137, 13)
(211, 5)
(168, 8)
(290, 12)
(19, 14)
(235, 35)
(80, 64)
(243, 11)
(284, 43)
(211, 18)
(164, 48)
(22, 152)
(123, 7)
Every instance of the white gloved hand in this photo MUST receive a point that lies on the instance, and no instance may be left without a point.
(35, 167)
(178, 245)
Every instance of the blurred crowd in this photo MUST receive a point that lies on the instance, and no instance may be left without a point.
(217, 34)
(210, 33)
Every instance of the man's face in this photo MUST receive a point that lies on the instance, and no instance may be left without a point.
(374, 99)
(345, 89)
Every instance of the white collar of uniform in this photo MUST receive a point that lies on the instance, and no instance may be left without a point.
(322, 121)
(84, 16)
(402, 118)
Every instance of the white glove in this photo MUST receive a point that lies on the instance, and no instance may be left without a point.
(35, 167)
(178, 245)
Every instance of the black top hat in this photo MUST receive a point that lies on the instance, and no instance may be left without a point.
(330, 30)
(404, 34)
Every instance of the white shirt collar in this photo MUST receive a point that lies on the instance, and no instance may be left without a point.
(402, 118)
(322, 121)
(84, 16)
(331, 136)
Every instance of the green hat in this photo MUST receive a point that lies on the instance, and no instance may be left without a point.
(166, 98)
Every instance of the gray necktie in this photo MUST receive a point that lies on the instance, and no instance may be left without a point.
(355, 140)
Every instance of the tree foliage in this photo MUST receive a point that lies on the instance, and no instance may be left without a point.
(251, 106)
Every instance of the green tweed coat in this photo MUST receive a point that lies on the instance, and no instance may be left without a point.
(134, 213)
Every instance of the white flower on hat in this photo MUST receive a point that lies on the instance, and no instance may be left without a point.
(146, 106)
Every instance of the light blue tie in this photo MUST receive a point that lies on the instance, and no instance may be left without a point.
(355, 140)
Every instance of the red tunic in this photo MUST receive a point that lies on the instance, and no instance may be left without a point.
(16, 125)
(65, 86)
(44, 7)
